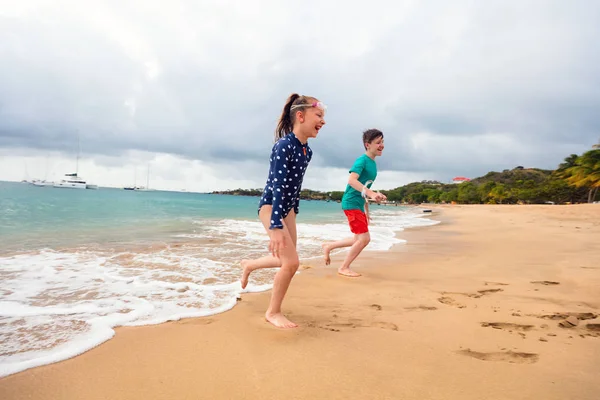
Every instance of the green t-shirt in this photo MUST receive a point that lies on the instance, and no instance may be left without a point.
(366, 168)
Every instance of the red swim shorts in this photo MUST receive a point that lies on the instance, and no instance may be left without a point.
(357, 221)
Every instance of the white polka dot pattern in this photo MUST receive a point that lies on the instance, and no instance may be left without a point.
(287, 154)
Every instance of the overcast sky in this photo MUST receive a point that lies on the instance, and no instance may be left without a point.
(194, 88)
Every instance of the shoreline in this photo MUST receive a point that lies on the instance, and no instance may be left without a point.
(71, 349)
(417, 316)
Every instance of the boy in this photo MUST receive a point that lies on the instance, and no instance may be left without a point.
(355, 204)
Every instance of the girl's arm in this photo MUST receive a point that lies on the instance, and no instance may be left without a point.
(281, 158)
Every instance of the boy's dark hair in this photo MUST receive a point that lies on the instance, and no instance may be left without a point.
(371, 134)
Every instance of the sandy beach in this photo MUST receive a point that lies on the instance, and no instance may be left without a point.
(467, 309)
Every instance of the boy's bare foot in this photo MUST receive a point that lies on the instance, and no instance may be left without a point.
(326, 251)
(280, 321)
(348, 272)
(245, 273)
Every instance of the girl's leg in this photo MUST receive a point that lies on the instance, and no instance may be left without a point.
(248, 266)
(289, 265)
(288, 261)
(290, 223)
(360, 242)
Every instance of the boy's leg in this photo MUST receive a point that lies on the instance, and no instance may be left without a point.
(360, 227)
(360, 242)
(355, 227)
(328, 247)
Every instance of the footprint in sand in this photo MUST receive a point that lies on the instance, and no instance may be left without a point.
(445, 299)
(329, 328)
(334, 327)
(546, 283)
(489, 291)
(376, 306)
(384, 325)
(507, 326)
(450, 301)
(195, 321)
(506, 356)
(495, 284)
(561, 316)
(475, 295)
(593, 327)
(421, 308)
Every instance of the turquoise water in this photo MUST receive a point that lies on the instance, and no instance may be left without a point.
(36, 217)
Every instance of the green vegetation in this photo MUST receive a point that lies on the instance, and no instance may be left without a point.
(305, 194)
(576, 180)
(582, 172)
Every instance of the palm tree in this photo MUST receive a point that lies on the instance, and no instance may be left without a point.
(585, 173)
(568, 163)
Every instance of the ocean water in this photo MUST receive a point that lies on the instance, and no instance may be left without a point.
(74, 264)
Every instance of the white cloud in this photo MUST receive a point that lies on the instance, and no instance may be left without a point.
(457, 87)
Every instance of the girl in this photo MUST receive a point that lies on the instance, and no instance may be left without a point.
(301, 119)
(354, 202)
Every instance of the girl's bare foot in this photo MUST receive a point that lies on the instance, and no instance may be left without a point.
(280, 321)
(348, 272)
(245, 273)
(326, 251)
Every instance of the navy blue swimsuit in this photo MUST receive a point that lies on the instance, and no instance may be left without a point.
(288, 162)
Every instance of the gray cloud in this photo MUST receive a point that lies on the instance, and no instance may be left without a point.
(457, 88)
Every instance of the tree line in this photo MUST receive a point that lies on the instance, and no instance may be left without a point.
(576, 180)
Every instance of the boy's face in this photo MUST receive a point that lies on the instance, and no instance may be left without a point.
(375, 146)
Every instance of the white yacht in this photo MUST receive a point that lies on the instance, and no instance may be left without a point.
(137, 188)
(74, 181)
(42, 183)
(71, 181)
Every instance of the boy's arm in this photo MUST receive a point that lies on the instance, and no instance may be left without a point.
(355, 183)
(355, 171)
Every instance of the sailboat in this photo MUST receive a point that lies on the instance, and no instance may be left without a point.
(43, 182)
(140, 188)
(147, 187)
(134, 187)
(73, 180)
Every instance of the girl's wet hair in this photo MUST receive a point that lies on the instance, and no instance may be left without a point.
(288, 117)
(371, 134)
